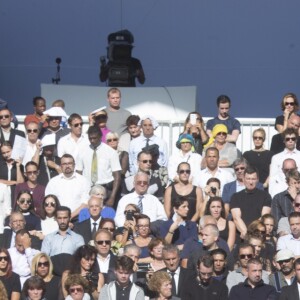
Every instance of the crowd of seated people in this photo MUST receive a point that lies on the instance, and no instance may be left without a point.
(107, 214)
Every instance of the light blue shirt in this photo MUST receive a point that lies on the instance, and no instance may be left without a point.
(55, 243)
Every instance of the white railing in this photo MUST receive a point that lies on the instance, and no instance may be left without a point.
(170, 130)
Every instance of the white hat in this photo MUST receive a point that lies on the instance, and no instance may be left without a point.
(284, 254)
(151, 118)
(55, 112)
(98, 109)
(48, 140)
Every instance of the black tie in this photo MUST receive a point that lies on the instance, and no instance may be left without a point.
(147, 142)
(173, 284)
(94, 229)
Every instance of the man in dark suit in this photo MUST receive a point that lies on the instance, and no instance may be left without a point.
(292, 291)
(179, 275)
(16, 223)
(105, 262)
(6, 132)
(89, 227)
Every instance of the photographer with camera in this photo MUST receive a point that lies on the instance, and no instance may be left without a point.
(127, 232)
(82, 263)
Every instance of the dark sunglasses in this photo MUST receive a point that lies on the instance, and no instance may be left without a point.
(109, 229)
(101, 117)
(111, 140)
(290, 139)
(32, 130)
(184, 171)
(4, 117)
(239, 169)
(22, 201)
(258, 138)
(78, 124)
(221, 133)
(107, 242)
(297, 204)
(43, 264)
(146, 161)
(78, 290)
(32, 172)
(53, 204)
(3, 258)
(243, 256)
(54, 118)
(129, 211)
(289, 103)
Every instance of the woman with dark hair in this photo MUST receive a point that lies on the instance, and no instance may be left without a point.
(227, 230)
(24, 204)
(10, 280)
(77, 288)
(178, 229)
(49, 207)
(82, 263)
(184, 188)
(42, 266)
(34, 289)
(194, 125)
(212, 189)
(289, 105)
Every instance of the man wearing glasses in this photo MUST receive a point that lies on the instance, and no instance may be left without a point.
(71, 143)
(148, 204)
(239, 275)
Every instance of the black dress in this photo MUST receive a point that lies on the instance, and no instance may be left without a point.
(53, 288)
(12, 284)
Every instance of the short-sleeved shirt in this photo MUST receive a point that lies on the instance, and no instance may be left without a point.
(250, 203)
(12, 284)
(231, 124)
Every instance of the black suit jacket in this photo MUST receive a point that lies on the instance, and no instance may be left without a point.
(277, 144)
(13, 133)
(184, 276)
(36, 243)
(84, 229)
(111, 267)
(290, 292)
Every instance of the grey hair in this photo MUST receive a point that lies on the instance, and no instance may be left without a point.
(240, 161)
(132, 246)
(98, 189)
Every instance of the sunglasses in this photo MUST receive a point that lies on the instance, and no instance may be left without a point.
(142, 182)
(146, 161)
(22, 201)
(77, 124)
(239, 169)
(243, 256)
(46, 204)
(32, 172)
(184, 171)
(290, 139)
(5, 258)
(32, 130)
(109, 229)
(258, 138)
(129, 211)
(104, 243)
(289, 103)
(78, 290)
(43, 264)
(222, 133)
(111, 140)
(101, 117)
(297, 204)
(4, 117)
(54, 118)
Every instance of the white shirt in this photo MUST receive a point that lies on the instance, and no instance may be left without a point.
(49, 225)
(152, 207)
(223, 175)
(68, 145)
(71, 192)
(5, 204)
(277, 184)
(21, 263)
(103, 263)
(194, 159)
(288, 242)
(136, 145)
(29, 153)
(277, 160)
(107, 162)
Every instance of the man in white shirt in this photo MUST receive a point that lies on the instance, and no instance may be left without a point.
(22, 254)
(71, 143)
(71, 188)
(148, 125)
(212, 170)
(100, 164)
(291, 241)
(148, 204)
(290, 136)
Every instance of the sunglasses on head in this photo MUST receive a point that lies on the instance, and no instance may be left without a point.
(77, 124)
(32, 130)
(53, 204)
(187, 171)
(5, 258)
(104, 243)
(43, 264)
(4, 117)
(78, 290)
(27, 201)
